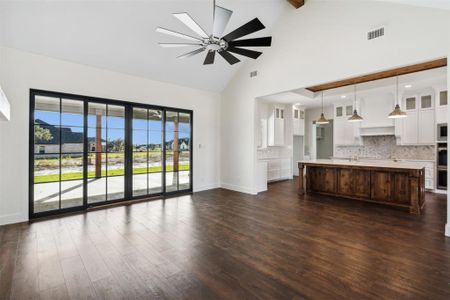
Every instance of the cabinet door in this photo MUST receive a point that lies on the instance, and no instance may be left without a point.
(426, 127)
(361, 183)
(381, 186)
(410, 128)
(400, 188)
(345, 182)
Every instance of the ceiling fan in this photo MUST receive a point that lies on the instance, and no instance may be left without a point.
(217, 42)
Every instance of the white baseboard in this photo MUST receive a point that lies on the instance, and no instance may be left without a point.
(238, 188)
(206, 187)
(12, 219)
(447, 229)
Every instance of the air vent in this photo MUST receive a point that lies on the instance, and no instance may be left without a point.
(375, 33)
(253, 74)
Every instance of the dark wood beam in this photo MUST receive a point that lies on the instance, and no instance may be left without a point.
(380, 75)
(297, 3)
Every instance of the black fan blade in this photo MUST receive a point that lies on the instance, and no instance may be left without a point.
(209, 60)
(259, 42)
(245, 52)
(230, 58)
(252, 26)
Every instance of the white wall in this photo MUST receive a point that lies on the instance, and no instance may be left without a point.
(322, 42)
(21, 71)
(447, 227)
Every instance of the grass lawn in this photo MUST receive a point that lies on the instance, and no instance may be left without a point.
(118, 172)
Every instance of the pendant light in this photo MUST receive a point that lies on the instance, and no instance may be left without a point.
(355, 117)
(397, 113)
(322, 120)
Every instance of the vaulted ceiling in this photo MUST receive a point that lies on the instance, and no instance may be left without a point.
(120, 35)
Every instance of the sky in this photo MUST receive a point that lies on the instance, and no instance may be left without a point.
(115, 127)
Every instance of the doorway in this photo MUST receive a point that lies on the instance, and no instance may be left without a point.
(86, 151)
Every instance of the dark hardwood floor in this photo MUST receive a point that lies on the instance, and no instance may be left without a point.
(220, 244)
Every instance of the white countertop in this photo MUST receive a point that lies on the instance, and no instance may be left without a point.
(376, 164)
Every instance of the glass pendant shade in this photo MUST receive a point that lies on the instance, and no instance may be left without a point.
(322, 120)
(355, 117)
(397, 113)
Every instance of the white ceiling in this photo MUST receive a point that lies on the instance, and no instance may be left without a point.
(306, 99)
(120, 35)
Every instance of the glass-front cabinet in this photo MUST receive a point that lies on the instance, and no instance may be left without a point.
(86, 152)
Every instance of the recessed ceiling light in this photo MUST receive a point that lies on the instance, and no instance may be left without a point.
(343, 97)
(408, 86)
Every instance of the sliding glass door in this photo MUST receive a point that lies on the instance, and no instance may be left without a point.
(87, 151)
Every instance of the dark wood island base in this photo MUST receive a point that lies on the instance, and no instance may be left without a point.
(396, 184)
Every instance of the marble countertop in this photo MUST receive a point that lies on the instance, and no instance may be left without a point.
(375, 164)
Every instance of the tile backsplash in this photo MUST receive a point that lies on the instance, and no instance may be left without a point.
(385, 147)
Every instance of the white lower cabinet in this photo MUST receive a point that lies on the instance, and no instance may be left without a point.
(279, 169)
(429, 173)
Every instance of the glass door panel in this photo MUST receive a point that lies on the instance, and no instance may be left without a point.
(115, 155)
(146, 141)
(171, 150)
(97, 138)
(58, 154)
(155, 151)
(184, 150)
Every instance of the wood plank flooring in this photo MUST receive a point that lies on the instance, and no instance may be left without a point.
(220, 244)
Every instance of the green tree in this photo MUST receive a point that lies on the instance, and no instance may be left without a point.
(117, 145)
(42, 134)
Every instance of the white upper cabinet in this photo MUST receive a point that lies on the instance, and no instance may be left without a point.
(298, 116)
(419, 128)
(441, 106)
(276, 124)
(345, 133)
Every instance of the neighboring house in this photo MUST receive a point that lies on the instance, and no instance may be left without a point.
(71, 142)
(183, 144)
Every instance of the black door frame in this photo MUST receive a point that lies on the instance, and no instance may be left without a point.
(128, 150)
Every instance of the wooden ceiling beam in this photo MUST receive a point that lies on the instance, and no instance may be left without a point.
(297, 3)
(438, 63)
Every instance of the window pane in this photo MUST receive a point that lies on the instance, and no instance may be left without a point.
(140, 185)
(140, 140)
(339, 111)
(72, 180)
(171, 121)
(46, 179)
(116, 164)
(47, 110)
(96, 115)
(46, 139)
(184, 142)
(443, 96)
(140, 118)
(155, 120)
(116, 140)
(155, 172)
(185, 122)
(72, 139)
(116, 116)
(349, 110)
(410, 103)
(72, 113)
(116, 187)
(97, 177)
(426, 102)
(155, 140)
(97, 139)
(71, 167)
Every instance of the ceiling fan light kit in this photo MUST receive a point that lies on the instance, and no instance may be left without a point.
(216, 42)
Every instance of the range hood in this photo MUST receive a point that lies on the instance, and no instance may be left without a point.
(377, 130)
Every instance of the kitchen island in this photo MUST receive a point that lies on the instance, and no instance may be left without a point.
(398, 184)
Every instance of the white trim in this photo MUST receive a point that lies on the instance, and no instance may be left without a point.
(206, 187)
(238, 188)
(12, 219)
(447, 229)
